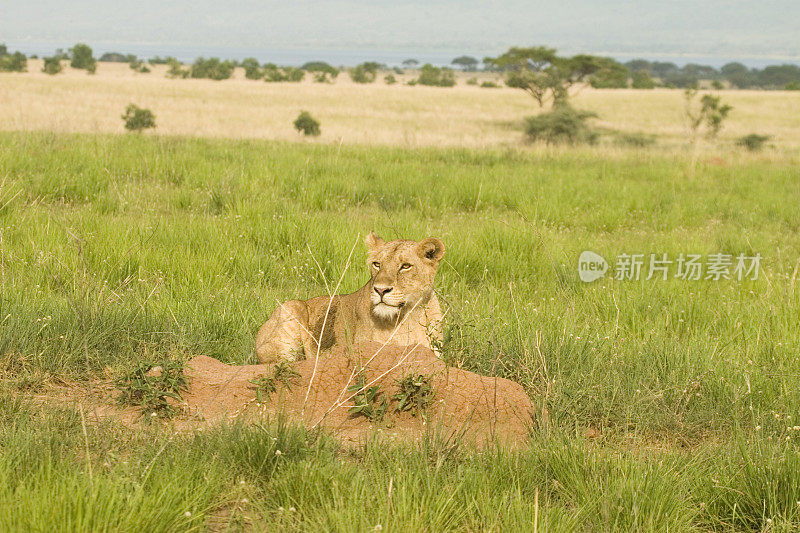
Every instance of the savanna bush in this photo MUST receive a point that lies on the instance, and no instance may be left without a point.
(641, 79)
(753, 142)
(364, 73)
(138, 119)
(176, 69)
(212, 68)
(274, 73)
(306, 124)
(321, 71)
(252, 70)
(81, 57)
(562, 125)
(52, 65)
(435, 76)
(16, 62)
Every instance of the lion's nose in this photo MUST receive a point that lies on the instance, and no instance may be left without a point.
(382, 290)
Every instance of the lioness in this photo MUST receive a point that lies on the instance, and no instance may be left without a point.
(397, 306)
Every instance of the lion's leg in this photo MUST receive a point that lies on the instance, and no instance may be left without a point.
(281, 337)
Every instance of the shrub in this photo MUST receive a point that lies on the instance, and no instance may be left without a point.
(489, 85)
(212, 68)
(322, 72)
(792, 86)
(472, 81)
(753, 142)
(137, 119)
(81, 57)
(176, 69)
(16, 62)
(273, 73)
(252, 70)
(52, 65)
(708, 115)
(365, 72)
(138, 66)
(641, 79)
(435, 76)
(306, 124)
(390, 79)
(562, 125)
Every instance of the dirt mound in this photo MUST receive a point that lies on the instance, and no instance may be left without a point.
(463, 404)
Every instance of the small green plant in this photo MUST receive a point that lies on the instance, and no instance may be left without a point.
(137, 119)
(151, 385)
(753, 142)
(489, 85)
(472, 81)
(415, 394)
(390, 79)
(282, 373)
(306, 124)
(792, 86)
(369, 401)
(563, 125)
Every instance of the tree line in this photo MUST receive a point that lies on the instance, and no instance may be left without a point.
(518, 65)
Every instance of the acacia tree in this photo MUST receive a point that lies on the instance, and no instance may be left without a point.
(466, 63)
(544, 75)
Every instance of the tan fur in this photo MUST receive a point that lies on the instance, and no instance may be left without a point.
(402, 311)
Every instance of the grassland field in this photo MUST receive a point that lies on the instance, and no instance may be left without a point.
(351, 113)
(672, 405)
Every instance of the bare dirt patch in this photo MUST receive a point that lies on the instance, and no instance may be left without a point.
(464, 404)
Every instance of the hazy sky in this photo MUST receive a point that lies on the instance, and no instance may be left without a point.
(723, 28)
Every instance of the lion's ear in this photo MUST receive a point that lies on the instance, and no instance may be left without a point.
(431, 249)
(373, 241)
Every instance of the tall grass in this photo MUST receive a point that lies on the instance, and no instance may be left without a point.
(279, 477)
(115, 248)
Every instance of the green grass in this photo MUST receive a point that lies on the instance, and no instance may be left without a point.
(119, 249)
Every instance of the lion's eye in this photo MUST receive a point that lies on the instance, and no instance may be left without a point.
(405, 266)
(376, 264)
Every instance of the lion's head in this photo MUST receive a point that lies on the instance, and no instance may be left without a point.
(402, 274)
